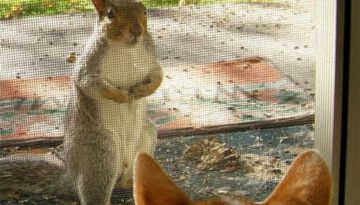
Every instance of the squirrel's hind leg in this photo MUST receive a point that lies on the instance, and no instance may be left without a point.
(96, 171)
(95, 185)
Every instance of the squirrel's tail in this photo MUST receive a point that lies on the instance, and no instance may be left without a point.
(34, 174)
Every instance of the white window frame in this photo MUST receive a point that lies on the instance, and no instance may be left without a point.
(337, 121)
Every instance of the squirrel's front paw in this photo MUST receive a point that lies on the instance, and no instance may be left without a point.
(117, 95)
(140, 91)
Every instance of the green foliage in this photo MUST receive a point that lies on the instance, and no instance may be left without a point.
(12, 9)
(160, 3)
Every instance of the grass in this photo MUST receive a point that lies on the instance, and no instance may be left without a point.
(162, 3)
(15, 8)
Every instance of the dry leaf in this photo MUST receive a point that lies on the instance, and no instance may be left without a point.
(211, 154)
(71, 58)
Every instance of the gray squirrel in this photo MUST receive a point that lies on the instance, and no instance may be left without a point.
(106, 123)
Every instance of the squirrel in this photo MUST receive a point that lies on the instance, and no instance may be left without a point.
(106, 123)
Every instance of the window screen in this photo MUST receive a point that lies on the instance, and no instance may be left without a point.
(235, 107)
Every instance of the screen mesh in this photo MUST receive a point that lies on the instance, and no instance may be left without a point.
(235, 107)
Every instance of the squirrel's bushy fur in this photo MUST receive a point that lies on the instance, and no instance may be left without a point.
(34, 174)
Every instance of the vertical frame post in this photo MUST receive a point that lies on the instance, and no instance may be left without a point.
(329, 84)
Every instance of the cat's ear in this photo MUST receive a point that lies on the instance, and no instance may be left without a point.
(100, 7)
(308, 181)
(152, 186)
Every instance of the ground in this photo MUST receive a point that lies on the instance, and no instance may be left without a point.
(184, 35)
(258, 160)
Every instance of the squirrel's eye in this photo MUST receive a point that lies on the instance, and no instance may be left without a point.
(145, 13)
(110, 14)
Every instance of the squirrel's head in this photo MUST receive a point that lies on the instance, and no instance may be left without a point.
(124, 21)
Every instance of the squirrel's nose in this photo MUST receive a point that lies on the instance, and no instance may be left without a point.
(136, 30)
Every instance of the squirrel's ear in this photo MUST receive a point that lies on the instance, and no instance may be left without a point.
(308, 181)
(152, 186)
(99, 6)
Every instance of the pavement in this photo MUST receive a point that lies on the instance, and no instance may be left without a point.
(283, 33)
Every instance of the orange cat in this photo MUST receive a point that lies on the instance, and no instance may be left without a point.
(307, 182)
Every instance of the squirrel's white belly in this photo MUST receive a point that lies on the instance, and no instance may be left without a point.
(125, 122)
(125, 66)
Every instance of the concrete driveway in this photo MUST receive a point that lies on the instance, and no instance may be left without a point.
(283, 33)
